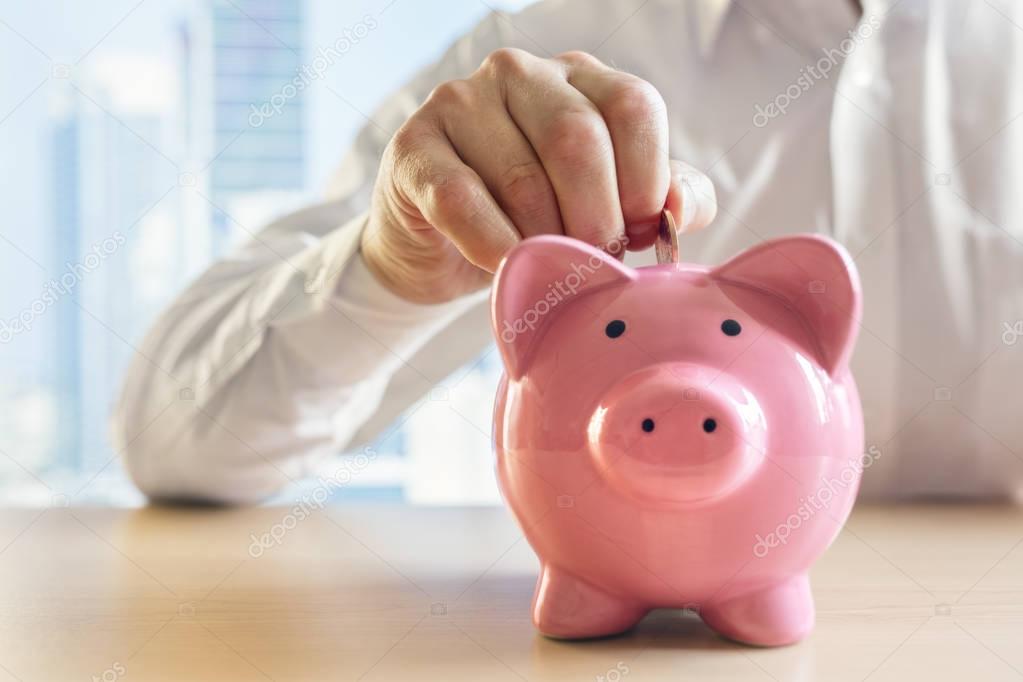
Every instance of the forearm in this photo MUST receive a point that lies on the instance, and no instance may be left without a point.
(254, 374)
(281, 353)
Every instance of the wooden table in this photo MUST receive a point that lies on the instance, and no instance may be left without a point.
(396, 593)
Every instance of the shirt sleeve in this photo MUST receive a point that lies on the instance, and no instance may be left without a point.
(289, 349)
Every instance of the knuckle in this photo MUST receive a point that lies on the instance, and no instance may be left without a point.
(450, 194)
(452, 94)
(636, 104)
(405, 139)
(506, 61)
(579, 58)
(577, 139)
(403, 145)
(526, 187)
(403, 150)
(523, 181)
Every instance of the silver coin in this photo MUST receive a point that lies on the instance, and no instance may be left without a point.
(666, 246)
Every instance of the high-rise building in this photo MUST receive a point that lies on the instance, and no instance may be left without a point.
(66, 378)
(246, 117)
(114, 253)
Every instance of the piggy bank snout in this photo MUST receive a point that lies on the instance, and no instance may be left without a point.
(677, 432)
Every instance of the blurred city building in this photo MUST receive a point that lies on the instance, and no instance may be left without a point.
(245, 118)
(158, 161)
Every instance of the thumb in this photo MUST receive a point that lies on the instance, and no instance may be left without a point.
(691, 198)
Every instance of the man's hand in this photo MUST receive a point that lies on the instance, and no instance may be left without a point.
(525, 146)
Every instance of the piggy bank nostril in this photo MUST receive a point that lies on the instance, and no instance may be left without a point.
(648, 425)
(709, 425)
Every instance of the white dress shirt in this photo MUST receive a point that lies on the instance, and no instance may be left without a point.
(898, 132)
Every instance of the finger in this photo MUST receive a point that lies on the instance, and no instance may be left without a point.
(488, 141)
(451, 197)
(571, 139)
(637, 120)
(691, 198)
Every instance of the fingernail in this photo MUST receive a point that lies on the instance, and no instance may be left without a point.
(699, 203)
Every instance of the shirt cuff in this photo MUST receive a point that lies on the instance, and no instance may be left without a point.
(399, 325)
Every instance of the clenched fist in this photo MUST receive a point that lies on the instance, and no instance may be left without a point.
(524, 146)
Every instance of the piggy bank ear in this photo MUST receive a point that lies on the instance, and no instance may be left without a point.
(817, 279)
(535, 278)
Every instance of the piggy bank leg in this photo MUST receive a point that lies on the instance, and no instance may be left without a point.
(568, 608)
(772, 616)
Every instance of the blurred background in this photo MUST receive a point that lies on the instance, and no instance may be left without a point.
(143, 140)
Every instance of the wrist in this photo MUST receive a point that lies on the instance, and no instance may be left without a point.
(380, 267)
(418, 279)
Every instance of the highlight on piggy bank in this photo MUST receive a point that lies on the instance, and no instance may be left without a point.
(656, 427)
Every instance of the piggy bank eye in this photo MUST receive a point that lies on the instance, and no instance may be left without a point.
(614, 329)
(731, 327)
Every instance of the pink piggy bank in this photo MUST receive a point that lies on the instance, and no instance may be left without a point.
(678, 436)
